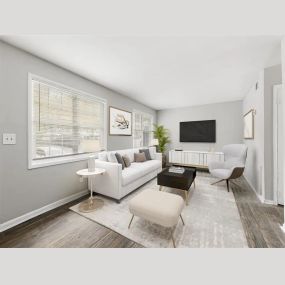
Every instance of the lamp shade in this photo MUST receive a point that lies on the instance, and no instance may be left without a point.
(154, 141)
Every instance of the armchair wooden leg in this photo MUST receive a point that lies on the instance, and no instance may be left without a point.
(228, 185)
(217, 182)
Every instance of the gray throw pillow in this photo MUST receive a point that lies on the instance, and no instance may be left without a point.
(146, 152)
(120, 159)
(140, 157)
(127, 160)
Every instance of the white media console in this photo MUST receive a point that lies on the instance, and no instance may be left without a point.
(199, 159)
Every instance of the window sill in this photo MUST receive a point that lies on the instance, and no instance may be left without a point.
(59, 160)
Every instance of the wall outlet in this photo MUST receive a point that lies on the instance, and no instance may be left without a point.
(9, 138)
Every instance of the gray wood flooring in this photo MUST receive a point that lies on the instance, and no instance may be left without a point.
(64, 228)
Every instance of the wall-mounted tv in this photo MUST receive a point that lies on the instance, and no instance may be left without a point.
(198, 131)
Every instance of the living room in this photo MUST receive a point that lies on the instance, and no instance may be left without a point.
(142, 142)
(55, 136)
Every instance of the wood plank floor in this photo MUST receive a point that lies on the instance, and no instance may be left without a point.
(261, 222)
(64, 228)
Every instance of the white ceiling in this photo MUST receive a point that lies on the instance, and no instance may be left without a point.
(161, 72)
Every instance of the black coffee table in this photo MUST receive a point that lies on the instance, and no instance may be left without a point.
(175, 180)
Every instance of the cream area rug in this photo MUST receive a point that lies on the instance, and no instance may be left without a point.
(211, 218)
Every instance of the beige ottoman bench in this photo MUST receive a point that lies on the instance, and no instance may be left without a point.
(158, 207)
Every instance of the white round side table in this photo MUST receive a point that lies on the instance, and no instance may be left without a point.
(92, 203)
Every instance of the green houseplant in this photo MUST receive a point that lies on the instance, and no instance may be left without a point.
(161, 133)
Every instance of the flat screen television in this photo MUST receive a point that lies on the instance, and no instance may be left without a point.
(198, 131)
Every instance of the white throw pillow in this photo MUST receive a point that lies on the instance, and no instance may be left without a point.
(112, 157)
(152, 151)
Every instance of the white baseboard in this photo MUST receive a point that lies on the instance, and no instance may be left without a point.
(16, 221)
(269, 202)
(260, 197)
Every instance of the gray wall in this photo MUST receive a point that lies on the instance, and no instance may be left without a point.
(23, 190)
(229, 125)
(272, 76)
(254, 170)
(259, 167)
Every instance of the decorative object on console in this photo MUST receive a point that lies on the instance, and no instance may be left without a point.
(161, 133)
(233, 166)
(146, 152)
(248, 125)
(140, 157)
(120, 122)
(120, 160)
(154, 142)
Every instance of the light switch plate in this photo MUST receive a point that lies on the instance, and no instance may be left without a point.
(9, 138)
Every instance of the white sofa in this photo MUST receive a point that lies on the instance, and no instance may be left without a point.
(117, 183)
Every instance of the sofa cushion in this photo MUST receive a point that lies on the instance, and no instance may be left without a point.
(127, 160)
(129, 152)
(146, 152)
(120, 159)
(152, 151)
(112, 157)
(140, 157)
(139, 169)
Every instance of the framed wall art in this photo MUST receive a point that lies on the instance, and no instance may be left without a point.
(248, 125)
(120, 122)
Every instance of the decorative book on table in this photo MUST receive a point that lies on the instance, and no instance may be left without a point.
(174, 169)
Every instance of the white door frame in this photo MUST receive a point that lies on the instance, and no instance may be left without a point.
(275, 143)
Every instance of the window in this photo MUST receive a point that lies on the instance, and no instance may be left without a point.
(143, 126)
(65, 124)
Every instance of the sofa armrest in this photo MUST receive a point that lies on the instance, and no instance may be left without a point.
(108, 184)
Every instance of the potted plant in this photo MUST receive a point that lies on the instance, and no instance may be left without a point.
(161, 133)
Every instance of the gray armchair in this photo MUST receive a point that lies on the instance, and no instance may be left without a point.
(233, 166)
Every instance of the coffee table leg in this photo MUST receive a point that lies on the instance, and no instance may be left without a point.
(186, 197)
(194, 183)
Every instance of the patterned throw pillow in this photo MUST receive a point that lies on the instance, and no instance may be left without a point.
(127, 160)
(120, 159)
(140, 157)
(146, 152)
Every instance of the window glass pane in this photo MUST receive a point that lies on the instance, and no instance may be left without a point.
(65, 122)
(143, 124)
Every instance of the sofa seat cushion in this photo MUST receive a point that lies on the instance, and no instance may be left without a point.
(139, 169)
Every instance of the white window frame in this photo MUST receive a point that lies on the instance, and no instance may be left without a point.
(143, 114)
(63, 159)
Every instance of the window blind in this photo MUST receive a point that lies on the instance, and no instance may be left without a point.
(65, 122)
(142, 129)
